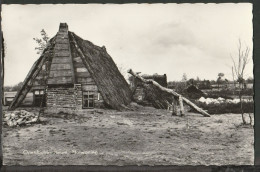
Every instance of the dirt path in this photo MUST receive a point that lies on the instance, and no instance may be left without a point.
(146, 137)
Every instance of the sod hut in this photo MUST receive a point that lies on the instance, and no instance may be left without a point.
(147, 94)
(74, 73)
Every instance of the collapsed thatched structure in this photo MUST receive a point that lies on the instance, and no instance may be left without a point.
(148, 94)
(74, 73)
(161, 94)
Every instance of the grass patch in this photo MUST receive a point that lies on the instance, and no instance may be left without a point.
(219, 121)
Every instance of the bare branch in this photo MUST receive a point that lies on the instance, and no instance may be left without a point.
(235, 66)
(243, 59)
(239, 55)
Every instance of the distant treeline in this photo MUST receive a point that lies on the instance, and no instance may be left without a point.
(202, 84)
(13, 88)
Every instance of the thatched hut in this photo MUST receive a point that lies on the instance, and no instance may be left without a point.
(147, 94)
(74, 73)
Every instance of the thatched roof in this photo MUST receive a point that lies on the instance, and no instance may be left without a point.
(63, 49)
(110, 82)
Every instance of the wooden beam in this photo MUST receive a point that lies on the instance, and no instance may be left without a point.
(28, 81)
(71, 63)
(185, 100)
(181, 106)
(174, 107)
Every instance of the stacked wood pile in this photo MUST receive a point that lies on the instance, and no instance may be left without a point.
(19, 118)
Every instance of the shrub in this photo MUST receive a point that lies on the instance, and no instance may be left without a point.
(248, 107)
(229, 92)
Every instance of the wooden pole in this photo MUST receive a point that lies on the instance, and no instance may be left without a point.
(188, 102)
(174, 107)
(181, 106)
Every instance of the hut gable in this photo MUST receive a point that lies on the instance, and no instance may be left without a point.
(61, 71)
(75, 70)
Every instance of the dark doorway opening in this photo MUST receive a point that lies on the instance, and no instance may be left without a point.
(39, 98)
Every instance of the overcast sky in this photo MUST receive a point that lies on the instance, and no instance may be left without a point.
(196, 39)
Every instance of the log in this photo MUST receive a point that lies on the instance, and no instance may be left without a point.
(185, 100)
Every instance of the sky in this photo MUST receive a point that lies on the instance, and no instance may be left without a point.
(172, 39)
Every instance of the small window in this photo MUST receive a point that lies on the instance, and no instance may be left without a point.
(140, 98)
(44, 67)
(81, 69)
(37, 92)
(9, 99)
(88, 99)
(98, 96)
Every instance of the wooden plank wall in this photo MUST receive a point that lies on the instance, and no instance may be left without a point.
(39, 80)
(61, 71)
(82, 75)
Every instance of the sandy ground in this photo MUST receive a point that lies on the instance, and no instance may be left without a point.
(144, 137)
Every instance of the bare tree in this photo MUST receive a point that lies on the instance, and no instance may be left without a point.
(238, 68)
(42, 42)
(184, 79)
(220, 80)
(234, 82)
